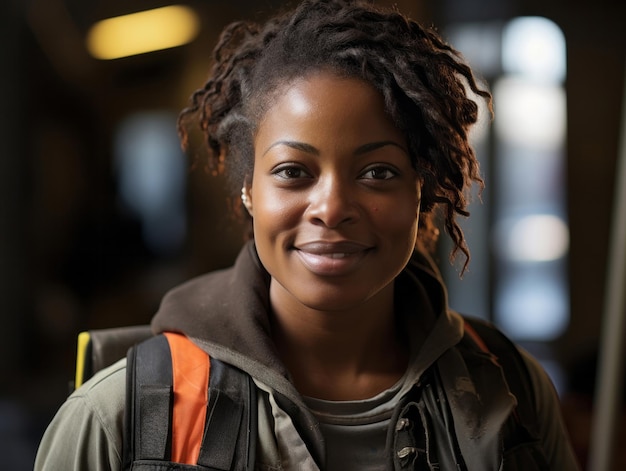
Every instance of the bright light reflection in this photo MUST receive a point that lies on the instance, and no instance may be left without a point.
(534, 47)
(146, 31)
(532, 307)
(534, 238)
(530, 114)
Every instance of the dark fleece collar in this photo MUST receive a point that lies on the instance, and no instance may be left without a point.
(229, 308)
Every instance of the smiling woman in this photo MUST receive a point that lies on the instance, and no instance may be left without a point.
(343, 128)
(335, 207)
(322, 223)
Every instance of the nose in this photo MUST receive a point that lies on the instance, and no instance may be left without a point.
(332, 202)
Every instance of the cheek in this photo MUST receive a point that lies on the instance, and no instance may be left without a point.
(401, 225)
(274, 211)
(396, 215)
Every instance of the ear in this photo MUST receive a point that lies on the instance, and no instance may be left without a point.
(246, 200)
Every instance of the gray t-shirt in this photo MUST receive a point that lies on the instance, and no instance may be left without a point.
(355, 432)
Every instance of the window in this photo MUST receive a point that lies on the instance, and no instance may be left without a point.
(519, 236)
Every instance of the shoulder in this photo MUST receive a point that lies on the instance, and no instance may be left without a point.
(525, 377)
(543, 387)
(538, 406)
(103, 382)
(103, 397)
(524, 374)
(86, 432)
(553, 433)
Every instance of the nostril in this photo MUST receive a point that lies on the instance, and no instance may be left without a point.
(332, 203)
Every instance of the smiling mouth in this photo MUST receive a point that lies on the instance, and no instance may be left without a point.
(336, 255)
(332, 259)
(343, 247)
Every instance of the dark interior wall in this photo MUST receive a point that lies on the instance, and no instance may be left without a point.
(11, 190)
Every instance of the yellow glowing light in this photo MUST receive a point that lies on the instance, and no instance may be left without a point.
(145, 31)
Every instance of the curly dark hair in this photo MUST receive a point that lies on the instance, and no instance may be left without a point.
(424, 81)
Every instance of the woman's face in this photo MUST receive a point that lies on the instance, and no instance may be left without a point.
(334, 198)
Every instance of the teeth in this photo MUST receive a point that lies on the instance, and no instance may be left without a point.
(338, 255)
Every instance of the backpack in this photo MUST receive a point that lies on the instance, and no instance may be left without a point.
(204, 428)
(216, 429)
(171, 415)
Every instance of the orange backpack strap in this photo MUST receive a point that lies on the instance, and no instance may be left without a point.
(190, 368)
(186, 409)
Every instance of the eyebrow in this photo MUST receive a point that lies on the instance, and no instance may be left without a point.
(372, 146)
(301, 146)
(309, 149)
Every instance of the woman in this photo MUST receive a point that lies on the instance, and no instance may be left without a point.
(345, 128)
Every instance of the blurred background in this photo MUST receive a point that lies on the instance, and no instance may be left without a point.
(101, 213)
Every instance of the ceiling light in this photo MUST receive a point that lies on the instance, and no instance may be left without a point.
(145, 31)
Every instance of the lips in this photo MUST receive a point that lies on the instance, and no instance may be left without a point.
(332, 258)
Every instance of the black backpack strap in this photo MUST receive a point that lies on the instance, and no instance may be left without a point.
(147, 426)
(229, 437)
(231, 426)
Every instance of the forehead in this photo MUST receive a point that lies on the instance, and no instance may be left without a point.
(325, 94)
(264, 94)
(327, 113)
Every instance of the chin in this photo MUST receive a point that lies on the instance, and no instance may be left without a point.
(335, 297)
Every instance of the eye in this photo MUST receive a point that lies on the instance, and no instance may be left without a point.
(290, 172)
(379, 173)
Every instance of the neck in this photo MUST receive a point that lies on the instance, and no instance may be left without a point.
(340, 355)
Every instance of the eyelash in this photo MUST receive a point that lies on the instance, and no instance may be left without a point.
(284, 170)
(391, 172)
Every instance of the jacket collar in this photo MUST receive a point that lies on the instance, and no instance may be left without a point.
(229, 308)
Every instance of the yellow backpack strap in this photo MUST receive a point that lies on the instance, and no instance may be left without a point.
(84, 339)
